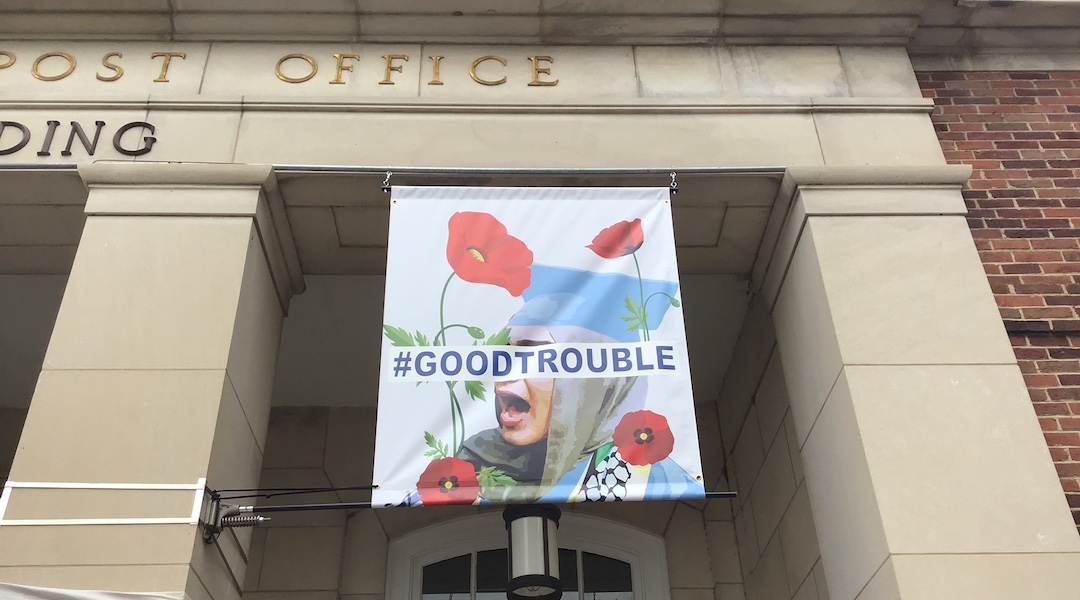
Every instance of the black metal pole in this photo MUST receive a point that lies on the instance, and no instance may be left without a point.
(303, 507)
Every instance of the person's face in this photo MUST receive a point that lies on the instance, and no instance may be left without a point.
(524, 405)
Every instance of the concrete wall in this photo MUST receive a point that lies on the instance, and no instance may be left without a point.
(778, 547)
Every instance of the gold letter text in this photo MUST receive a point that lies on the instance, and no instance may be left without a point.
(117, 69)
(37, 63)
(476, 63)
(435, 70)
(538, 70)
(10, 59)
(341, 66)
(164, 76)
(304, 57)
(390, 66)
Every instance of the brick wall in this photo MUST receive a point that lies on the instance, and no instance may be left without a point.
(1020, 131)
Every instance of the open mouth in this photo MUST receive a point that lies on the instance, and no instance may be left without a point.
(512, 410)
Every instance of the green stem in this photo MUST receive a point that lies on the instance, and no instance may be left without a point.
(453, 418)
(454, 408)
(654, 294)
(641, 290)
(450, 326)
(456, 405)
(442, 321)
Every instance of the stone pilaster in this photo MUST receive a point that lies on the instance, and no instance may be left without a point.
(157, 379)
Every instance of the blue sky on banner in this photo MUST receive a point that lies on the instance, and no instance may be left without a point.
(496, 300)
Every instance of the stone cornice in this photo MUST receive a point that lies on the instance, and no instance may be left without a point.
(919, 24)
(419, 105)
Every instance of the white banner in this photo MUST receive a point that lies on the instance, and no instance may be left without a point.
(534, 349)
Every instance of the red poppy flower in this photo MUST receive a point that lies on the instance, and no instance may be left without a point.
(448, 481)
(622, 238)
(643, 438)
(480, 251)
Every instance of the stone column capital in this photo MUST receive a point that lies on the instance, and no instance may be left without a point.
(851, 191)
(135, 189)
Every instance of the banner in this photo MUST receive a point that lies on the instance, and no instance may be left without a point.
(534, 350)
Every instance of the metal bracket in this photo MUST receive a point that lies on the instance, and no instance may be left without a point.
(220, 516)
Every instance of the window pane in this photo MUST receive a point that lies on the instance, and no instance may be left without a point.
(491, 572)
(606, 578)
(568, 574)
(568, 569)
(448, 579)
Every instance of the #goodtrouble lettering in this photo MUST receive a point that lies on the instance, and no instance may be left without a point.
(512, 362)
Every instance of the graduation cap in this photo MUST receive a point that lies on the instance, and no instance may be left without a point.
(561, 296)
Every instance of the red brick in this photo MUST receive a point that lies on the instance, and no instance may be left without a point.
(1068, 469)
(1040, 380)
(1069, 423)
(1029, 300)
(1054, 312)
(1062, 438)
(1050, 408)
(1060, 394)
(1037, 255)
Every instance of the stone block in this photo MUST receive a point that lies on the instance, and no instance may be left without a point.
(847, 517)
(749, 453)
(688, 550)
(911, 275)
(188, 272)
(804, 71)
(878, 139)
(678, 72)
(746, 535)
(364, 559)
(883, 72)
(116, 426)
(771, 400)
(301, 558)
(936, 435)
(296, 438)
(799, 541)
(724, 552)
(768, 579)
(773, 490)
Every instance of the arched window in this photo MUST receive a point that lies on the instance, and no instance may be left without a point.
(465, 559)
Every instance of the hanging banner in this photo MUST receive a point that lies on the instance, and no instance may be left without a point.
(534, 349)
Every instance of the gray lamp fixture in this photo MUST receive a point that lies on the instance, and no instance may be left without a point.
(533, 554)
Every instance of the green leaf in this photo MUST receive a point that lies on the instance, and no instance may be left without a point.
(490, 477)
(422, 340)
(675, 302)
(631, 305)
(438, 449)
(476, 332)
(475, 389)
(634, 326)
(398, 336)
(500, 339)
(628, 317)
(602, 453)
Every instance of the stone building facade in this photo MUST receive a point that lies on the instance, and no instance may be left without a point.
(192, 248)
